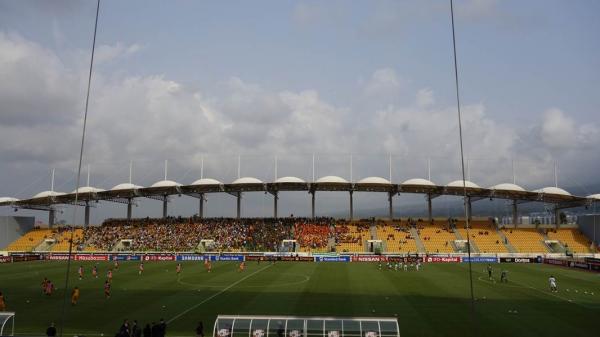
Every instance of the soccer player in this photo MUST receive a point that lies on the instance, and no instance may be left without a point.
(116, 265)
(379, 265)
(44, 283)
(2, 302)
(178, 268)
(405, 266)
(109, 275)
(95, 271)
(418, 265)
(49, 288)
(80, 272)
(242, 266)
(141, 268)
(553, 287)
(504, 276)
(209, 266)
(490, 270)
(106, 289)
(75, 296)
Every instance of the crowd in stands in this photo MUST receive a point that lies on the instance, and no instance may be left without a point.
(313, 234)
(184, 234)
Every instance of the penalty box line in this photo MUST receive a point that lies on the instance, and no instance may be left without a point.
(216, 294)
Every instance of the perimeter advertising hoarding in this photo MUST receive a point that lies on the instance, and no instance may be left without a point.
(369, 258)
(231, 258)
(196, 257)
(521, 259)
(126, 258)
(556, 262)
(480, 259)
(89, 257)
(158, 258)
(442, 259)
(5, 259)
(332, 258)
(296, 258)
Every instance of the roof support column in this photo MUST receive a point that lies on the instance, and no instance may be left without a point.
(275, 198)
(129, 208)
(51, 217)
(351, 205)
(87, 214)
(469, 209)
(165, 206)
(239, 205)
(391, 205)
(429, 208)
(515, 214)
(312, 208)
(201, 206)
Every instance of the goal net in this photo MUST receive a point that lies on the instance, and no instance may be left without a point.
(7, 323)
(303, 326)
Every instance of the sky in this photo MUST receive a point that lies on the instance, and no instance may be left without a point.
(201, 84)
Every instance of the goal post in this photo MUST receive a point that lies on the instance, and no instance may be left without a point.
(304, 326)
(7, 323)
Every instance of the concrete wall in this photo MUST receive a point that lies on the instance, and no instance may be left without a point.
(13, 227)
(586, 225)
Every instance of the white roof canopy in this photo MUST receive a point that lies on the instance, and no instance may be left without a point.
(8, 199)
(552, 190)
(207, 181)
(459, 183)
(332, 180)
(594, 196)
(294, 180)
(508, 187)
(47, 194)
(87, 189)
(246, 180)
(165, 183)
(418, 182)
(125, 186)
(374, 180)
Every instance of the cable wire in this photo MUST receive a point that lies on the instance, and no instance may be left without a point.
(466, 198)
(85, 114)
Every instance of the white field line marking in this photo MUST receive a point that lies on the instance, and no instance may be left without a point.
(216, 294)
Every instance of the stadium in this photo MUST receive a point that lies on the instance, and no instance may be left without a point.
(81, 263)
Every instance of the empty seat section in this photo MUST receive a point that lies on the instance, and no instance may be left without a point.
(526, 240)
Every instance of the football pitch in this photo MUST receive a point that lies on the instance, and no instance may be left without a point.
(431, 302)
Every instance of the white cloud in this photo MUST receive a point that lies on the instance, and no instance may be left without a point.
(106, 53)
(151, 118)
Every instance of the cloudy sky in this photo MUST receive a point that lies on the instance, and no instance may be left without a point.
(181, 81)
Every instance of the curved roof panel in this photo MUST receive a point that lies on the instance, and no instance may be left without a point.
(375, 180)
(293, 180)
(165, 183)
(508, 187)
(593, 196)
(8, 199)
(247, 180)
(207, 181)
(552, 190)
(332, 179)
(47, 194)
(125, 186)
(87, 189)
(418, 181)
(459, 183)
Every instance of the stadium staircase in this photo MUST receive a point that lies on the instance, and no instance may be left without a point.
(506, 242)
(43, 247)
(553, 247)
(458, 235)
(420, 245)
(571, 239)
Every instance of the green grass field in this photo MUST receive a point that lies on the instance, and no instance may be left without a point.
(431, 302)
